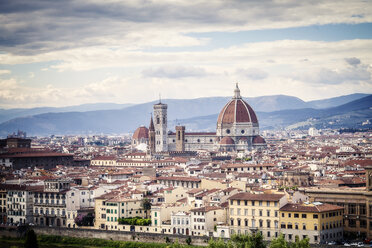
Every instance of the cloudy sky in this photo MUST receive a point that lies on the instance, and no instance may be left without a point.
(58, 53)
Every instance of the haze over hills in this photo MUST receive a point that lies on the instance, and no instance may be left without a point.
(347, 115)
(8, 114)
(197, 114)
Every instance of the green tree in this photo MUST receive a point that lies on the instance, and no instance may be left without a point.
(304, 243)
(254, 240)
(279, 242)
(31, 240)
(146, 205)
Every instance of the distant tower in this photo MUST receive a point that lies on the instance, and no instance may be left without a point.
(151, 137)
(161, 136)
(180, 138)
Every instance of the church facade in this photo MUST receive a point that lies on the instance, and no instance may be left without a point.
(237, 130)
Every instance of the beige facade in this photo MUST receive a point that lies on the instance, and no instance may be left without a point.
(255, 212)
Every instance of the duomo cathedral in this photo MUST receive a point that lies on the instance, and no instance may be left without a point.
(237, 130)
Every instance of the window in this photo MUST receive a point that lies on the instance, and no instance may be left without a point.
(289, 226)
(304, 216)
(252, 203)
(282, 226)
(260, 203)
(296, 226)
(260, 212)
(231, 211)
(282, 215)
(253, 212)
(238, 202)
(296, 215)
(315, 227)
(362, 209)
(268, 213)
(352, 208)
(303, 226)
(238, 211)
(245, 212)
(315, 216)
(268, 203)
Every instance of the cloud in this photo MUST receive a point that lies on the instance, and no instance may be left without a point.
(352, 61)
(64, 25)
(4, 72)
(174, 72)
(253, 73)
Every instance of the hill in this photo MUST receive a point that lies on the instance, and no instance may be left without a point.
(196, 114)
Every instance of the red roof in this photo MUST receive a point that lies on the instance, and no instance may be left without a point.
(258, 140)
(227, 141)
(237, 110)
(141, 133)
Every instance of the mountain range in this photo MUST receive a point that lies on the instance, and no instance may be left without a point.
(278, 111)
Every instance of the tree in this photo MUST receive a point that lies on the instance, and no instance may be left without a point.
(31, 240)
(146, 205)
(254, 240)
(279, 242)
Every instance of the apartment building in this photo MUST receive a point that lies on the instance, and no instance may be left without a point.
(319, 222)
(19, 204)
(50, 203)
(255, 212)
(204, 219)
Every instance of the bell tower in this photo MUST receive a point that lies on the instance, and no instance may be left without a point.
(151, 137)
(161, 136)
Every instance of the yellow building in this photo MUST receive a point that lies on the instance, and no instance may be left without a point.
(109, 208)
(319, 222)
(255, 212)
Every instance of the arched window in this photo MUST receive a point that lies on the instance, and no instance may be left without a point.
(157, 120)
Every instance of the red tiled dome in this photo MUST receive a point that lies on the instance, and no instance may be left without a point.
(258, 140)
(237, 110)
(141, 133)
(227, 141)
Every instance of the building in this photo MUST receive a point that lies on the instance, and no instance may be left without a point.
(237, 130)
(255, 212)
(50, 203)
(13, 142)
(23, 158)
(204, 219)
(19, 204)
(181, 223)
(3, 198)
(140, 136)
(356, 202)
(319, 222)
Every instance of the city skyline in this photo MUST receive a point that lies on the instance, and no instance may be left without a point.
(76, 53)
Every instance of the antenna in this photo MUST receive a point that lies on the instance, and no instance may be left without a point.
(159, 97)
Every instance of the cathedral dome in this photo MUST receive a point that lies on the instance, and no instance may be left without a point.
(237, 111)
(227, 141)
(141, 133)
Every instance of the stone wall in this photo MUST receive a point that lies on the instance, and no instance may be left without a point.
(118, 235)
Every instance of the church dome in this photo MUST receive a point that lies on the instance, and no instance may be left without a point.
(237, 111)
(141, 133)
(227, 141)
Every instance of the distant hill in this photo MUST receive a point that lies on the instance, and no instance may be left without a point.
(347, 115)
(196, 114)
(335, 101)
(8, 114)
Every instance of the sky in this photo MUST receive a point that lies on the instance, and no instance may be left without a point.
(62, 53)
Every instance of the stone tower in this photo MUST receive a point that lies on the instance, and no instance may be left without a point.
(151, 137)
(180, 138)
(161, 136)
